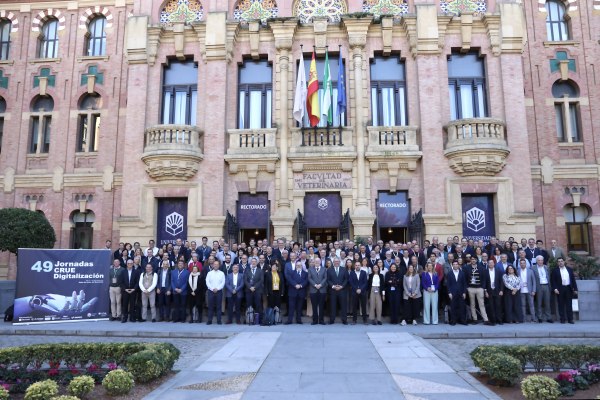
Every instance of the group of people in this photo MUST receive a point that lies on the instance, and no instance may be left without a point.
(495, 282)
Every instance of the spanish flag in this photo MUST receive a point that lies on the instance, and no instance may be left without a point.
(312, 99)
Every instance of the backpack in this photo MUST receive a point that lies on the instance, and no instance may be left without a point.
(268, 319)
(9, 313)
(256, 319)
(250, 316)
(277, 315)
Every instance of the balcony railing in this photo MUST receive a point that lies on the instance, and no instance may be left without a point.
(173, 135)
(392, 138)
(470, 128)
(252, 141)
(322, 140)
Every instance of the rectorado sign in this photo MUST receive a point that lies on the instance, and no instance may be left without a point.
(61, 285)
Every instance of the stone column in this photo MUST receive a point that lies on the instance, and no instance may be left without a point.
(284, 217)
(362, 217)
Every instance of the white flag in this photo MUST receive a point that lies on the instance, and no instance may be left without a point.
(301, 90)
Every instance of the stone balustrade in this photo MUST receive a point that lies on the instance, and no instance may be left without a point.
(476, 146)
(252, 141)
(392, 138)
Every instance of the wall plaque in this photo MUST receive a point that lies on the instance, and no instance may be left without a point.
(322, 180)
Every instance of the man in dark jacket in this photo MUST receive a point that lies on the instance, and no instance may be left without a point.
(476, 284)
(564, 285)
(457, 292)
(494, 290)
(163, 291)
(129, 288)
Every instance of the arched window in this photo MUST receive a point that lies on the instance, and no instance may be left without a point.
(566, 110)
(96, 45)
(5, 40)
(41, 124)
(89, 123)
(555, 21)
(49, 39)
(83, 232)
(577, 227)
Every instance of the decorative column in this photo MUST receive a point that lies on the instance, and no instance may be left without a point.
(284, 217)
(362, 217)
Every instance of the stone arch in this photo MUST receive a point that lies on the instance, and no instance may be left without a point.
(379, 7)
(570, 5)
(45, 15)
(92, 12)
(13, 19)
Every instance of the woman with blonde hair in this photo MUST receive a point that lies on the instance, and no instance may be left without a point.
(431, 285)
(412, 295)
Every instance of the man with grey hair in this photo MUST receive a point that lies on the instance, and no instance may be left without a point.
(337, 281)
(541, 272)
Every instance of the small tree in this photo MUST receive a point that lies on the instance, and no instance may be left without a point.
(24, 228)
(585, 267)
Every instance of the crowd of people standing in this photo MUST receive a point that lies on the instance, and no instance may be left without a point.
(461, 279)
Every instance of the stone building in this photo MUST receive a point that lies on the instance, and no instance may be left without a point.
(133, 120)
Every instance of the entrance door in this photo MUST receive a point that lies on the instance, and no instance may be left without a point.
(398, 235)
(82, 237)
(323, 235)
(323, 216)
(256, 234)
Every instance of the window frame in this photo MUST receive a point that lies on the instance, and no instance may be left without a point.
(172, 89)
(41, 144)
(561, 22)
(396, 85)
(92, 40)
(584, 233)
(567, 132)
(474, 82)
(44, 38)
(5, 41)
(91, 145)
(247, 88)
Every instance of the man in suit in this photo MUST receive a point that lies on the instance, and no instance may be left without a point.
(556, 252)
(296, 293)
(121, 254)
(531, 251)
(129, 288)
(253, 282)
(541, 274)
(457, 292)
(543, 253)
(234, 283)
(528, 289)
(421, 259)
(449, 247)
(203, 250)
(476, 283)
(494, 292)
(358, 292)
(513, 255)
(565, 286)
(491, 246)
(179, 284)
(163, 291)
(337, 280)
(317, 279)
(503, 264)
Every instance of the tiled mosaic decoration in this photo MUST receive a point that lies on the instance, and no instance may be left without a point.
(307, 9)
(380, 7)
(457, 6)
(248, 10)
(181, 10)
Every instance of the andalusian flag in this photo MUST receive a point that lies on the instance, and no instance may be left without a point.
(312, 99)
(328, 92)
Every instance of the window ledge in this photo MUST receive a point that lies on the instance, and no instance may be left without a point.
(37, 155)
(84, 170)
(86, 154)
(570, 144)
(44, 60)
(35, 171)
(574, 43)
(580, 253)
(571, 161)
(7, 62)
(92, 58)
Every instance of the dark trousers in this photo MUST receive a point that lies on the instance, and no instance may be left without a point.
(494, 312)
(512, 304)
(341, 297)
(236, 300)
(198, 301)
(458, 309)
(295, 304)
(362, 299)
(179, 303)
(565, 300)
(128, 305)
(318, 306)
(274, 299)
(164, 303)
(394, 299)
(412, 307)
(214, 300)
(254, 300)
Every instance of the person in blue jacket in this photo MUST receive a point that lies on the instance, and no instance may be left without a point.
(297, 282)
(179, 281)
(358, 281)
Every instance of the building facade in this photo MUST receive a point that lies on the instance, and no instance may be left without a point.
(133, 120)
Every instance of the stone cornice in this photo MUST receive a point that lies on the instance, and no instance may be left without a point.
(284, 32)
(356, 29)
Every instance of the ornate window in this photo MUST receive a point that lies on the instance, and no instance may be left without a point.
(180, 82)
(388, 92)
(566, 111)
(41, 124)
(89, 123)
(49, 39)
(181, 10)
(577, 227)
(386, 7)
(466, 83)
(248, 10)
(457, 6)
(5, 27)
(556, 24)
(96, 42)
(305, 10)
(255, 94)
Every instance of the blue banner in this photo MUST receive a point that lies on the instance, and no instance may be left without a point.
(253, 211)
(323, 210)
(172, 221)
(61, 285)
(478, 218)
(393, 209)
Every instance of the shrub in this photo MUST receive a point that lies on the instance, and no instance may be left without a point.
(81, 386)
(538, 387)
(576, 357)
(502, 367)
(65, 398)
(479, 354)
(584, 267)
(42, 390)
(157, 359)
(3, 393)
(118, 382)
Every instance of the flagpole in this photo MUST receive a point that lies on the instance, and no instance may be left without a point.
(301, 123)
(325, 83)
(314, 52)
(340, 65)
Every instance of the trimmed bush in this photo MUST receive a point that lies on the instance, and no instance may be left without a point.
(65, 398)
(81, 386)
(118, 382)
(157, 359)
(42, 390)
(3, 393)
(481, 353)
(503, 368)
(539, 387)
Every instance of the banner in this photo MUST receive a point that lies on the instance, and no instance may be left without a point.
(172, 221)
(253, 211)
(61, 285)
(322, 210)
(478, 218)
(393, 209)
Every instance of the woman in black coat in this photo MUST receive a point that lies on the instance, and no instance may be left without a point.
(196, 290)
(274, 295)
(393, 288)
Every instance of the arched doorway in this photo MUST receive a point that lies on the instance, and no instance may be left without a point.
(83, 233)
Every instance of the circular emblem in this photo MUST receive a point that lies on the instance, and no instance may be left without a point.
(174, 224)
(323, 204)
(475, 219)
